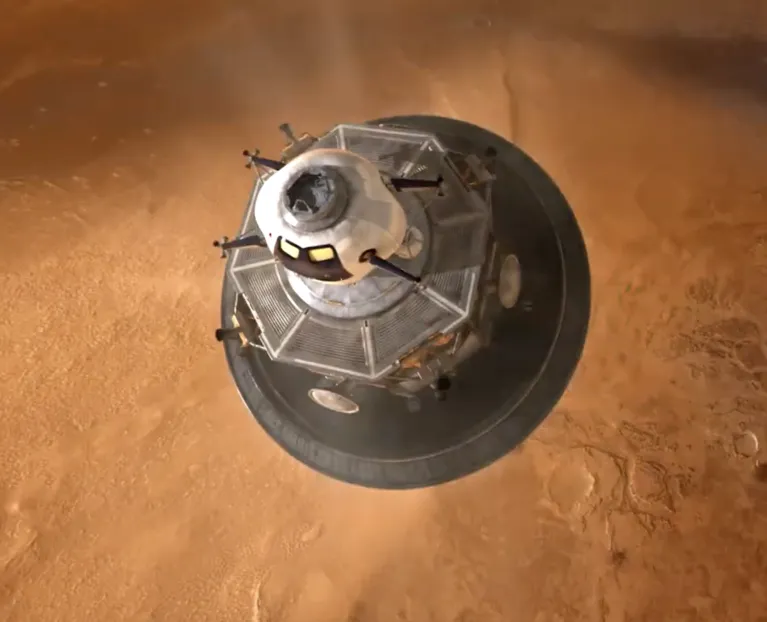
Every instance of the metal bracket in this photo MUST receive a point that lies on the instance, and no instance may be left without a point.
(244, 328)
(295, 146)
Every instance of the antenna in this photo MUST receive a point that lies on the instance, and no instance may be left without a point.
(225, 244)
(371, 257)
(255, 160)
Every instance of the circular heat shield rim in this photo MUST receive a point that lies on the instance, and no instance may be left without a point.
(497, 398)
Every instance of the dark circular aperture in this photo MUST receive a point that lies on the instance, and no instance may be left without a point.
(315, 194)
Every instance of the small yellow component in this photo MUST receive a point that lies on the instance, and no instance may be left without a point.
(321, 254)
(236, 324)
(289, 249)
(442, 340)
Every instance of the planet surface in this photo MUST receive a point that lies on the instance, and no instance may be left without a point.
(136, 486)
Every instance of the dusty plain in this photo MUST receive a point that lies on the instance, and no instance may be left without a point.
(133, 483)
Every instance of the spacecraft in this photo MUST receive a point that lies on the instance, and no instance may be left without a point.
(405, 301)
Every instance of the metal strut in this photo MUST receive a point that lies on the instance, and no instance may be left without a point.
(371, 257)
(225, 244)
(253, 159)
(402, 184)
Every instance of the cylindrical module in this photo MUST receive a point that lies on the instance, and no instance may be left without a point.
(324, 211)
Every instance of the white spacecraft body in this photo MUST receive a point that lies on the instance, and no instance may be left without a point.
(376, 270)
(327, 227)
(365, 256)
